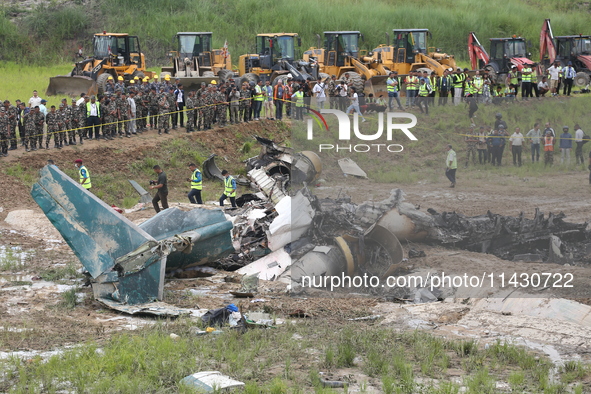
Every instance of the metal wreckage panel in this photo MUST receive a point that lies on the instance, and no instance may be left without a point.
(127, 263)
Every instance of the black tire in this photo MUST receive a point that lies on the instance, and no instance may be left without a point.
(581, 79)
(356, 81)
(101, 82)
(224, 75)
(138, 74)
(249, 77)
(283, 78)
(323, 76)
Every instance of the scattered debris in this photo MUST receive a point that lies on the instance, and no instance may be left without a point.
(413, 253)
(145, 197)
(349, 167)
(211, 381)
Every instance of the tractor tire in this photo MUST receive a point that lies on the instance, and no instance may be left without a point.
(138, 74)
(283, 78)
(429, 71)
(208, 74)
(323, 76)
(356, 81)
(101, 82)
(249, 77)
(581, 79)
(225, 75)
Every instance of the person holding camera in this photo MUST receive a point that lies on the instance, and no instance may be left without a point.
(161, 185)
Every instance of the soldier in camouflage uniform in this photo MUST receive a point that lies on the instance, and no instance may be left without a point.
(140, 106)
(190, 107)
(39, 121)
(11, 113)
(82, 119)
(30, 121)
(52, 120)
(63, 126)
(153, 100)
(245, 97)
(332, 92)
(471, 146)
(221, 107)
(163, 112)
(66, 122)
(4, 130)
(74, 121)
(210, 106)
(289, 90)
(124, 115)
(110, 112)
(171, 102)
(199, 106)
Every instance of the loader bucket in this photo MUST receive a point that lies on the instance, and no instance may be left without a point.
(194, 83)
(377, 85)
(71, 86)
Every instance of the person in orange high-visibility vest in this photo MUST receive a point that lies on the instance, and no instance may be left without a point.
(548, 148)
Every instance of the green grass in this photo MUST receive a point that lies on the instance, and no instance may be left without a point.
(270, 361)
(69, 271)
(60, 28)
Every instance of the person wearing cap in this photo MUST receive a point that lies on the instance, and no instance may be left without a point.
(569, 77)
(548, 148)
(69, 124)
(497, 143)
(554, 71)
(29, 119)
(110, 85)
(84, 174)
(229, 189)
(42, 107)
(132, 127)
(451, 165)
(120, 85)
(166, 86)
(4, 125)
(566, 145)
(155, 84)
(12, 114)
(161, 187)
(93, 118)
(550, 129)
(198, 100)
(190, 106)
(74, 125)
(221, 108)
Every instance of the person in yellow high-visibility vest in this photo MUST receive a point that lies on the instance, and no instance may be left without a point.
(229, 189)
(196, 185)
(84, 174)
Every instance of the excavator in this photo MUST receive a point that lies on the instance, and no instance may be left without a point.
(275, 59)
(409, 52)
(504, 52)
(341, 54)
(194, 61)
(115, 54)
(575, 49)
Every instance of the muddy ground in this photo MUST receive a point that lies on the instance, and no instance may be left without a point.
(35, 317)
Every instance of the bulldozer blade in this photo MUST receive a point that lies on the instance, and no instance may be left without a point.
(71, 86)
(194, 83)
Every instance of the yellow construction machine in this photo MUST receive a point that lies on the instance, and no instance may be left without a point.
(115, 54)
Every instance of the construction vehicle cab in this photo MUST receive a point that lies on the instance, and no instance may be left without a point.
(410, 51)
(275, 57)
(564, 49)
(504, 54)
(115, 54)
(194, 61)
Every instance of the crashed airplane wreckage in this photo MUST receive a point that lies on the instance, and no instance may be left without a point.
(277, 235)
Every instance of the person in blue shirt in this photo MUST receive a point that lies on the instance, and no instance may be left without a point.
(496, 142)
(566, 145)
